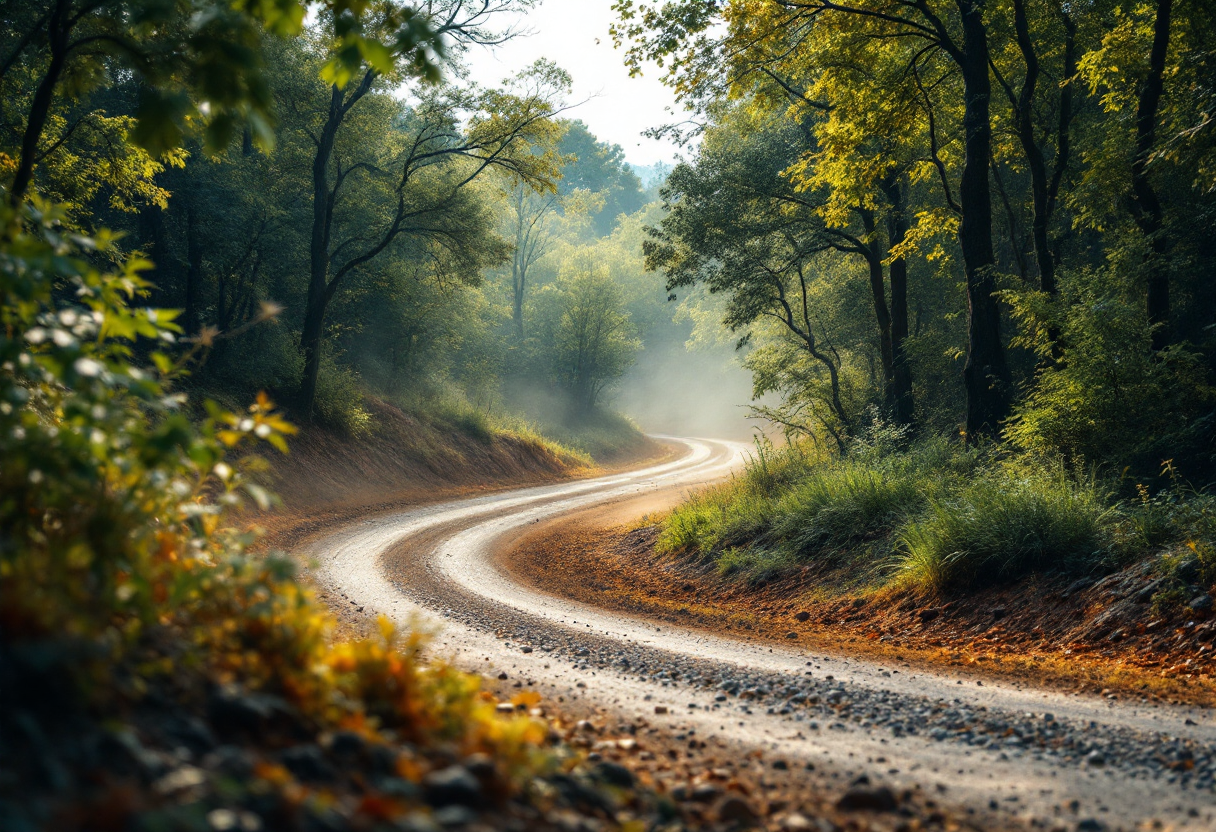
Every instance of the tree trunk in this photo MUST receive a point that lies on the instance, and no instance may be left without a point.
(40, 108)
(878, 292)
(155, 246)
(903, 411)
(985, 375)
(318, 251)
(518, 286)
(194, 272)
(1033, 153)
(1145, 205)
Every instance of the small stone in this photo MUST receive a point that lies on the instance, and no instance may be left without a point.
(614, 774)
(1147, 592)
(735, 809)
(868, 798)
(347, 746)
(660, 710)
(1091, 825)
(525, 649)
(502, 677)
(180, 780)
(450, 817)
(1188, 570)
(704, 793)
(927, 615)
(791, 634)
(781, 765)
(307, 763)
(452, 786)
(481, 766)
(231, 760)
(1078, 585)
(1201, 603)
(802, 616)
(999, 612)
(796, 822)
(1095, 758)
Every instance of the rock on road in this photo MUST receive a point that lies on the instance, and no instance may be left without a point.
(1044, 757)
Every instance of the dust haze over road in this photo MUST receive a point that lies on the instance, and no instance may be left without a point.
(1043, 757)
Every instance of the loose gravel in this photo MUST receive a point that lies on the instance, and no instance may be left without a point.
(1049, 758)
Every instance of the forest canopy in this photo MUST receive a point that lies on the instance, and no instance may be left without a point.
(332, 214)
(989, 217)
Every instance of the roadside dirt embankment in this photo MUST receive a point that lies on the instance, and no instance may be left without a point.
(329, 479)
(1092, 635)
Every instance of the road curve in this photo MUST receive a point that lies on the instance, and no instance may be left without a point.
(1045, 757)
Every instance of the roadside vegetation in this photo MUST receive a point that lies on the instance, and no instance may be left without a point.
(968, 268)
(934, 516)
(207, 205)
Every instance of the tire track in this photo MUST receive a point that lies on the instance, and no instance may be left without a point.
(1043, 757)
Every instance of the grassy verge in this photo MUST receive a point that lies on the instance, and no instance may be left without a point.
(444, 412)
(938, 518)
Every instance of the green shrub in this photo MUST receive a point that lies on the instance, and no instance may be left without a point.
(801, 504)
(1110, 400)
(339, 401)
(1002, 526)
(843, 502)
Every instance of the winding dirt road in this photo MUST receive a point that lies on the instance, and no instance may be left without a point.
(1049, 759)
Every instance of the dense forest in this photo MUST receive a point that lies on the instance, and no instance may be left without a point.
(460, 248)
(964, 249)
(989, 221)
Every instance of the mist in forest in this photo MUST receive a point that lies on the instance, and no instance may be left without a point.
(676, 391)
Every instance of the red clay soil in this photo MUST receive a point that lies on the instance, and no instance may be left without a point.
(1056, 632)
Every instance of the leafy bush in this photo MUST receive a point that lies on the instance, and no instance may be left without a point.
(339, 401)
(120, 560)
(1001, 527)
(1109, 399)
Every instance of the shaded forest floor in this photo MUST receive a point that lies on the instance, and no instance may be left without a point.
(1099, 635)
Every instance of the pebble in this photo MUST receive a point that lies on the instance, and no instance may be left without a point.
(820, 701)
(452, 786)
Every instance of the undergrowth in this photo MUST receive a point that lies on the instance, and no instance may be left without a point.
(123, 566)
(928, 515)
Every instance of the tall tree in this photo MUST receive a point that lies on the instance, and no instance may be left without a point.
(531, 238)
(464, 23)
(957, 31)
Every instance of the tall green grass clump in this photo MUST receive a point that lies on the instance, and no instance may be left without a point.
(1002, 526)
(793, 504)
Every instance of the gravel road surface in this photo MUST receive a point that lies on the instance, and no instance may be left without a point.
(1046, 758)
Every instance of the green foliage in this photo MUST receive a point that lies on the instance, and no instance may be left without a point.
(123, 561)
(108, 486)
(584, 333)
(933, 515)
(1003, 525)
(1107, 398)
(339, 402)
(599, 169)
